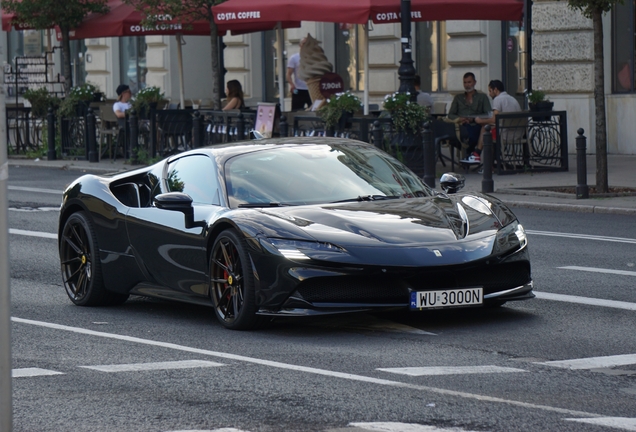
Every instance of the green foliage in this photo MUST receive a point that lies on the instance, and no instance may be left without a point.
(80, 94)
(145, 97)
(142, 157)
(336, 105)
(536, 96)
(407, 116)
(44, 14)
(587, 7)
(41, 100)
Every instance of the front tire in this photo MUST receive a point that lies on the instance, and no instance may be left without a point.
(232, 282)
(81, 267)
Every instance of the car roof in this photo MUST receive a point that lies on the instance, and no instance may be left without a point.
(228, 150)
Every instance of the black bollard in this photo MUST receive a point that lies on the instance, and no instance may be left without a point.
(134, 136)
(487, 183)
(50, 119)
(153, 130)
(91, 133)
(377, 135)
(196, 130)
(283, 127)
(240, 127)
(429, 157)
(582, 190)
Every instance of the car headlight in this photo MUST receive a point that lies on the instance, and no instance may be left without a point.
(300, 249)
(511, 237)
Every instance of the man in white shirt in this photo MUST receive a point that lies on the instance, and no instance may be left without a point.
(423, 98)
(123, 96)
(297, 87)
(501, 102)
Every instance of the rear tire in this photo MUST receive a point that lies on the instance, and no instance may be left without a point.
(81, 267)
(232, 282)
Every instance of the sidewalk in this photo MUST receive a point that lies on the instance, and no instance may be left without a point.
(511, 189)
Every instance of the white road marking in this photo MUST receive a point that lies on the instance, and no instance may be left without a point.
(403, 427)
(34, 209)
(305, 369)
(600, 270)
(623, 423)
(38, 190)
(583, 236)
(211, 430)
(450, 370)
(32, 233)
(134, 367)
(586, 301)
(31, 372)
(593, 362)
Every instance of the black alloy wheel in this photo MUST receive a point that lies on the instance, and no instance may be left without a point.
(232, 282)
(81, 268)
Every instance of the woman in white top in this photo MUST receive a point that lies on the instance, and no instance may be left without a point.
(123, 96)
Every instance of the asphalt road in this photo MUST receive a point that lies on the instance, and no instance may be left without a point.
(150, 365)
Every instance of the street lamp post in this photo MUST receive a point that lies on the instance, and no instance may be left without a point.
(406, 70)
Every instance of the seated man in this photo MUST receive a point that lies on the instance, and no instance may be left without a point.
(468, 106)
(423, 98)
(501, 102)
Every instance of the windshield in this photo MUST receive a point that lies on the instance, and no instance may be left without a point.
(318, 174)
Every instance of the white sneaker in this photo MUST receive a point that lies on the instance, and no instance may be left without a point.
(472, 159)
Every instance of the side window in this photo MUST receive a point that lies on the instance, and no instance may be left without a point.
(196, 176)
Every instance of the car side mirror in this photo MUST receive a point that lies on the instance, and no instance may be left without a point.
(452, 182)
(178, 201)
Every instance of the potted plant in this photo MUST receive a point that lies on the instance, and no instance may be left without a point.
(338, 109)
(538, 102)
(146, 100)
(78, 100)
(41, 100)
(407, 116)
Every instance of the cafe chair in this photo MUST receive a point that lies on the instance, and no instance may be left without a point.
(438, 109)
(108, 130)
(445, 133)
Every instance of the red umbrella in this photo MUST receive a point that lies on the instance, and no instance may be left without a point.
(388, 11)
(361, 11)
(124, 20)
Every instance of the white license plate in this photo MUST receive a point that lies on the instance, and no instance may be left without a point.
(447, 298)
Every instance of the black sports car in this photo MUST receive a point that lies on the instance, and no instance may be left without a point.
(291, 226)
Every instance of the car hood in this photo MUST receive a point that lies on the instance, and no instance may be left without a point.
(429, 221)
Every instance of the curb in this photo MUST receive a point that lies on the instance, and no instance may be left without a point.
(570, 207)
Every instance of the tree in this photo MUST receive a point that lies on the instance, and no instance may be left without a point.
(185, 12)
(594, 9)
(46, 14)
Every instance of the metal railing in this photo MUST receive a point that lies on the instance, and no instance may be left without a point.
(531, 141)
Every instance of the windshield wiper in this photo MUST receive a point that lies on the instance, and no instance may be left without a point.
(369, 198)
(264, 204)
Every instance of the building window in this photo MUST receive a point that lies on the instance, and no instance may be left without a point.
(623, 47)
(430, 55)
(132, 60)
(350, 52)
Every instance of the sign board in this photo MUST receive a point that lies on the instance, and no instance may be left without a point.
(331, 83)
(510, 44)
(265, 117)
